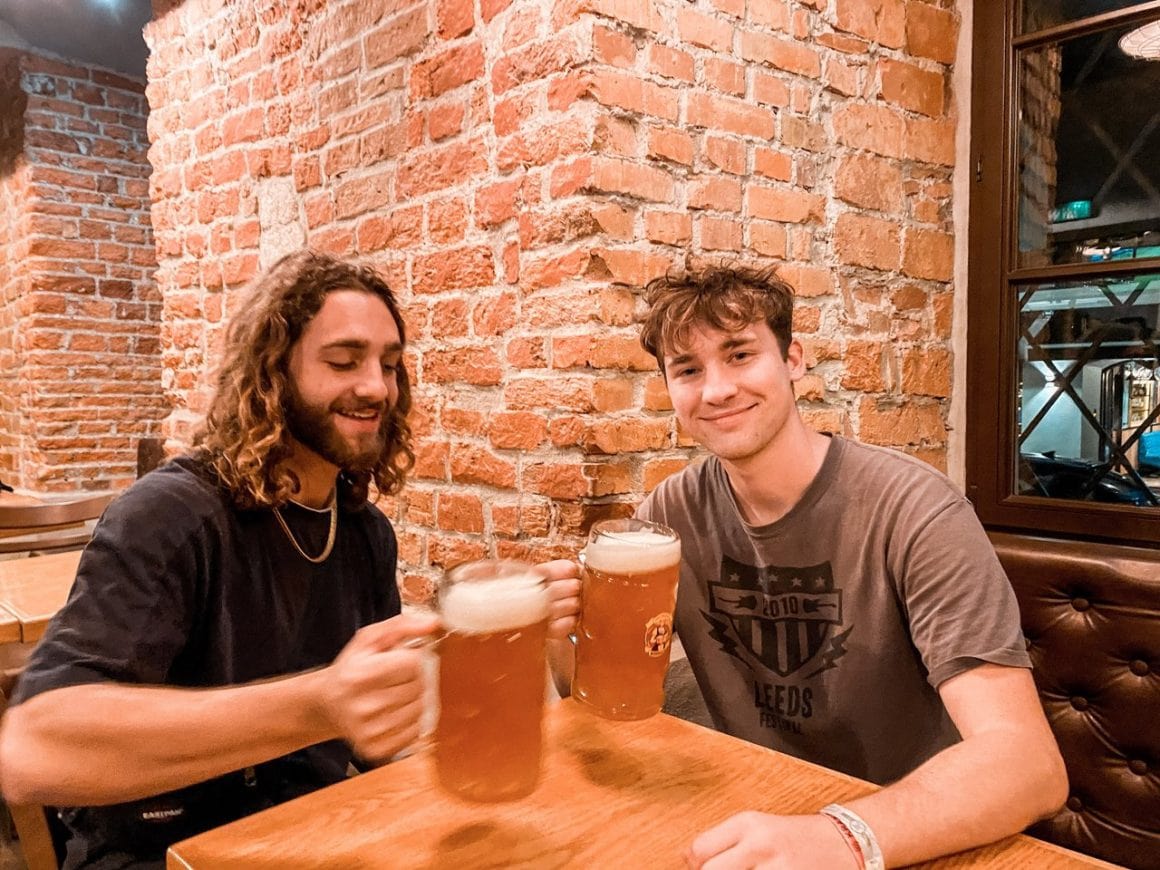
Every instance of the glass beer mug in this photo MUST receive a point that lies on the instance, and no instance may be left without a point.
(624, 635)
(492, 679)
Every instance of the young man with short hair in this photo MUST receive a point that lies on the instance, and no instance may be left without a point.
(838, 602)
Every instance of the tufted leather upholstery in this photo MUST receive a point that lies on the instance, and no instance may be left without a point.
(1091, 615)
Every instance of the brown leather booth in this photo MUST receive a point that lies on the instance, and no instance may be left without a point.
(1091, 615)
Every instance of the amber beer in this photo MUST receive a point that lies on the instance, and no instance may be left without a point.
(492, 680)
(623, 640)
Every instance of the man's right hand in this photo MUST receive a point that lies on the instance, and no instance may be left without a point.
(373, 692)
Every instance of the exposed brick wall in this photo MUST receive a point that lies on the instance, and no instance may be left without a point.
(80, 316)
(13, 187)
(519, 168)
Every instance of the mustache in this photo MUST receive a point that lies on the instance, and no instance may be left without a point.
(359, 407)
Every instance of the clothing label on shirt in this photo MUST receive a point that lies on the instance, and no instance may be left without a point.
(778, 619)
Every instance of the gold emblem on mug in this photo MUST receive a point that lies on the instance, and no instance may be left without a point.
(658, 634)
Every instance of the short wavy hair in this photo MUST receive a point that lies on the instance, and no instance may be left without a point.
(244, 436)
(725, 298)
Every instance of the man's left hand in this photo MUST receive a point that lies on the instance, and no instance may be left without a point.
(759, 840)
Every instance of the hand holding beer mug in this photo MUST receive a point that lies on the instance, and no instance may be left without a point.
(492, 679)
(628, 594)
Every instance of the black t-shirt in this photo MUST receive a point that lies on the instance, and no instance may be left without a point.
(179, 588)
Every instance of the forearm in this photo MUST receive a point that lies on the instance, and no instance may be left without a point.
(985, 788)
(57, 748)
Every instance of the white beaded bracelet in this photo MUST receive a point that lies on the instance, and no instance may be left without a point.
(867, 842)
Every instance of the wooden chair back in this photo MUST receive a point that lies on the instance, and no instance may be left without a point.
(49, 526)
(29, 820)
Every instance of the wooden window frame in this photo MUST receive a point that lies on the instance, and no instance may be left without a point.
(991, 330)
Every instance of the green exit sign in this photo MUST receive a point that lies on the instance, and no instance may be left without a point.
(1072, 211)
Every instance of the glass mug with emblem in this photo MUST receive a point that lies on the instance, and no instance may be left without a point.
(628, 592)
(492, 679)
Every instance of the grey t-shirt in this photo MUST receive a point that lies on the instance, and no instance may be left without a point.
(826, 634)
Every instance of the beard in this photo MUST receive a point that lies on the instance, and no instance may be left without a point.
(313, 426)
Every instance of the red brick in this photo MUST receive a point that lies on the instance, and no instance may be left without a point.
(471, 464)
(456, 269)
(770, 13)
(629, 435)
(517, 430)
(632, 268)
(615, 136)
(777, 165)
(873, 128)
(445, 551)
(864, 365)
(789, 206)
(912, 87)
(447, 70)
(454, 17)
(770, 90)
(478, 366)
(644, 16)
(767, 239)
(497, 203)
(882, 21)
(613, 47)
(931, 32)
(725, 75)
(787, 54)
(928, 254)
(629, 92)
(931, 141)
(926, 371)
(716, 193)
(534, 61)
(556, 480)
(867, 241)
(459, 512)
(719, 234)
(808, 281)
(612, 394)
(668, 143)
(706, 31)
(725, 114)
(670, 62)
(869, 182)
(494, 315)
(631, 179)
(895, 425)
(725, 154)
(668, 227)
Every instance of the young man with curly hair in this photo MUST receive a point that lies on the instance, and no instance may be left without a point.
(838, 602)
(234, 636)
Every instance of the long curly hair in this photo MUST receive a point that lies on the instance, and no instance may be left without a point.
(722, 298)
(244, 436)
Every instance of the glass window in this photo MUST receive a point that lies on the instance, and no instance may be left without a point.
(1089, 152)
(1041, 14)
(1088, 403)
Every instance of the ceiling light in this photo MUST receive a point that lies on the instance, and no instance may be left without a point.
(1143, 41)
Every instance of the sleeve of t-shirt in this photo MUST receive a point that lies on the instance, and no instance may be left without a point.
(961, 607)
(131, 607)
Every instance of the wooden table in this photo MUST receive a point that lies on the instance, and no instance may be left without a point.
(613, 794)
(33, 589)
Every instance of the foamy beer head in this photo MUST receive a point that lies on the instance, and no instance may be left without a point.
(631, 547)
(491, 596)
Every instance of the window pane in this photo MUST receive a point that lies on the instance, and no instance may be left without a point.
(1088, 404)
(1041, 14)
(1089, 152)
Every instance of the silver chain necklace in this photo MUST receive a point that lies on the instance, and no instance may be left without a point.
(321, 557)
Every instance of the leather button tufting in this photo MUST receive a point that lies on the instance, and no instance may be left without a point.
(1079, 703)
(1080, 604)
(1074, 804)
(1139, 667)
(1138, 767)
